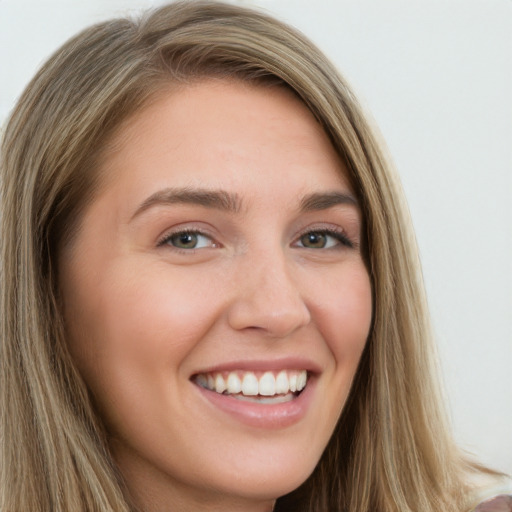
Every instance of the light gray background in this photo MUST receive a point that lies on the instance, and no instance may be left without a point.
(437, 77)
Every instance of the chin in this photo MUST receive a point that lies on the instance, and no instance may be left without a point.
(276, 478)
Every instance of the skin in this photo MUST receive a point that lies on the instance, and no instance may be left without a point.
(144, 316)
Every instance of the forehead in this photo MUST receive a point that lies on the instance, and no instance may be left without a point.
(222, 134)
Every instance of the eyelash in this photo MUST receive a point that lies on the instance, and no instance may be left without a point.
(169, 236)
(338, 235)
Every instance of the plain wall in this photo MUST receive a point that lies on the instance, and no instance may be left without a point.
(437, 77)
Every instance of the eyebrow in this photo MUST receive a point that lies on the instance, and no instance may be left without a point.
(215, 199)
(232, 203)
(323, 201)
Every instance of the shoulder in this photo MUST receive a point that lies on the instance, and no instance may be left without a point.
(501, 503)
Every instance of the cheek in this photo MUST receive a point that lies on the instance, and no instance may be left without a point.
(345, 315)
(129, 331)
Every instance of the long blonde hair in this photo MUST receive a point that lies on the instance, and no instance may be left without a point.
(392, 449)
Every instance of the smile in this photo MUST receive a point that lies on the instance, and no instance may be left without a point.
(262, 387)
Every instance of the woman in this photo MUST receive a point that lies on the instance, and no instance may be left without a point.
(211, 298)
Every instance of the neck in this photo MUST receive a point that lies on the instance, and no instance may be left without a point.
(196, 504)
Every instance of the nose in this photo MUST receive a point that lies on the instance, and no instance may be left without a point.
(268, 298)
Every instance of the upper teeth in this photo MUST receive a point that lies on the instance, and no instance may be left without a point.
(248, 384)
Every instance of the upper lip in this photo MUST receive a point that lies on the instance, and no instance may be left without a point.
(288, 363)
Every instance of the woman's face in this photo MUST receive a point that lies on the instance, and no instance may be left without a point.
(222, 251)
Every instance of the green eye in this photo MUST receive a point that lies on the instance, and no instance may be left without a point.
(184, 240)
(324, 239)
(314, 240)
(188, 240)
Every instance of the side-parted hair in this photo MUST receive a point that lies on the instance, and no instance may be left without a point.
(392, 449)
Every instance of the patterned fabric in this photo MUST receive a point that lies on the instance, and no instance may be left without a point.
(502, 503)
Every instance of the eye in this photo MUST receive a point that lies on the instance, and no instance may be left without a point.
(187, 240)
(323, 239)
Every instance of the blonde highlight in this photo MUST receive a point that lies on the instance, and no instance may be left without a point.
(392, 449)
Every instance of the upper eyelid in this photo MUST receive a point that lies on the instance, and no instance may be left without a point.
(329, 228)
(173, 232)
(339, 233)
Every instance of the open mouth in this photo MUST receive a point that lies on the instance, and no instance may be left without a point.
(261, 387)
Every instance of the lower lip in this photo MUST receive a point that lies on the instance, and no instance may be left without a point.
(271, 416)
